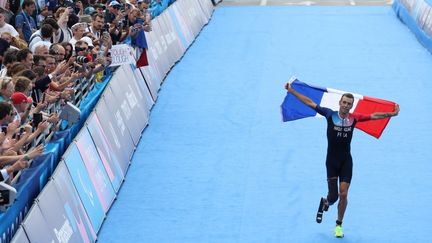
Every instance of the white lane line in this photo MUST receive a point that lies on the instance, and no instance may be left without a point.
(263, 2)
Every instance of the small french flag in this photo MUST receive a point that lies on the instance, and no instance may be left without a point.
(293, 109)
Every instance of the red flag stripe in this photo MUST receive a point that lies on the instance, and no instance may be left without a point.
(369, 105)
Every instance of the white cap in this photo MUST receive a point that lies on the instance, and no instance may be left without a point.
(114, 3)
(88, 40)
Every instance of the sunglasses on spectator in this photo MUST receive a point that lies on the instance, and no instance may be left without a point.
(78, 49)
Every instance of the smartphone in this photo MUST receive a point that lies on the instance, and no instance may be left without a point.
(18, 135)
(43, 97)
(37, 118)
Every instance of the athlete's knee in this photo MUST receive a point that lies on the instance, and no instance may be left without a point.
(343, 194)
(332, 196)
(343, 191)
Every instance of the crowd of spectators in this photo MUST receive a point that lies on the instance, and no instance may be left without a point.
(46, 48)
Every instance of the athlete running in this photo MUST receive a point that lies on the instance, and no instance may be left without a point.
(340, 127)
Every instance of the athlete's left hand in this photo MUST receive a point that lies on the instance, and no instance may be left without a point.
(396, 111)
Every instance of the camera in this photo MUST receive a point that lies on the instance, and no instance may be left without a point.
(139, 21)
(121, 23)
(105, 28)
(82, 59)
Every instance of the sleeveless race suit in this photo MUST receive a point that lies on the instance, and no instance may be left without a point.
(339, 135)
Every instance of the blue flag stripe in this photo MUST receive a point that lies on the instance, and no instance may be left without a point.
(293, 109)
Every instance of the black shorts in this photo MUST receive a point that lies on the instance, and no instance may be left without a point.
(340, 167)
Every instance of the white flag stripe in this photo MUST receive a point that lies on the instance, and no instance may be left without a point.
(331, 99)
(341, 92)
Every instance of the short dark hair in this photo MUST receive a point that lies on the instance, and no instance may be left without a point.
(51, 22)
(25, 73)
(348, 95)
(37, 58)
(5, 109)
(10, 56)
(96, 15)
(22, 83)
(46, 31)
(22, 54)
(28, 3)
(15, 68)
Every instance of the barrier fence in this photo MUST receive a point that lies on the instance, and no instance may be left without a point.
(77, 179)
(417, 15)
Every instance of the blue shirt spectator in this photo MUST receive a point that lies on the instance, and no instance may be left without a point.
(24, 23)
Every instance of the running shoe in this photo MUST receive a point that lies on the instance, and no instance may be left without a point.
(338, 231)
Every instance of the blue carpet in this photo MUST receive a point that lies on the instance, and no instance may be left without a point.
(216, 164)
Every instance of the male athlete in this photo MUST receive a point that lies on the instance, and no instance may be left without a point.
(340, 126)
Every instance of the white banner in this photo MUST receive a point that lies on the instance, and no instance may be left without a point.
(122, 54)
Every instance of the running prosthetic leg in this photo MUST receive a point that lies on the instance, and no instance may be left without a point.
(323, 206)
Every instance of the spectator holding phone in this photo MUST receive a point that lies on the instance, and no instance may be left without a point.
(62, 16)
(96, 25)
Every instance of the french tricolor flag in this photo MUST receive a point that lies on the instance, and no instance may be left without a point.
(293, 109)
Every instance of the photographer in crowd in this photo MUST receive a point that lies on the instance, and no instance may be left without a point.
(44, 68)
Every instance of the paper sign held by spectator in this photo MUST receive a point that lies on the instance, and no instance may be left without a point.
(121, 54)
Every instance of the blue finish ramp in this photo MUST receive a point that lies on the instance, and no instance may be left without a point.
(216, 164)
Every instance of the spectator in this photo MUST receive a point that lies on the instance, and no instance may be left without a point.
(88, 41)
(78, 30)
(7, 37)
(5, 27)
(58, 52)
(9, 58)
(43, 14)
(15, 68)
(52, 5)
(50, 64)
(41, 49)
(100, 8)
(68, 50)
(4, 45)
(6, 88)
(57, 33)
(62, 16)
(25, 57)
(43, 36)
(17, 166)
(39, 61)
(22, 103)
(23, 81)
(96, 25)
(10, 121)
(25, 24)
(113, 11)
(15, 42)
(8, 14)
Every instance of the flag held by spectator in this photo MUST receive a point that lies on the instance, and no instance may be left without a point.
(293, 109)
(142, 60)
(141, 42)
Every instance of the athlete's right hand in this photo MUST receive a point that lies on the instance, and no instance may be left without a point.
(288, 86)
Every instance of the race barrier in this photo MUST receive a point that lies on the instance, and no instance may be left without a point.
(417, 15)
(76, 181)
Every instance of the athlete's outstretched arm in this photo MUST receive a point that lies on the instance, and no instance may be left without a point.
(382, 115)
(306, 100)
